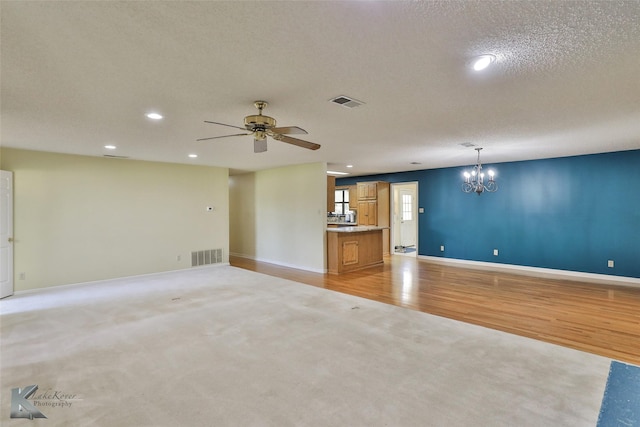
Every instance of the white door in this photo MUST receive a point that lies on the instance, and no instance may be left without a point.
(6, 234)
(405, 226)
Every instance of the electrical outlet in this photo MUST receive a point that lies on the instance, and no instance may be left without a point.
(495, 252)
(441, 248)
(178, 258)
(22, 276)
(610, 263)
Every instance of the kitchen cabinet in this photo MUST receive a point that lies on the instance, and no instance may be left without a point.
(368, 212)
(367, 190)
(353, 249)
(331, 193)
(353, 197)
(374, 203)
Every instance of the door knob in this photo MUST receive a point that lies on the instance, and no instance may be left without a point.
(10, 239)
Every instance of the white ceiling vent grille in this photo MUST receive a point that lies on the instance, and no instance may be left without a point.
(347, 102)
(468, 144)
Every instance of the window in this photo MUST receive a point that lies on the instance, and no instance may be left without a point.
(342, 202)
(407, 208)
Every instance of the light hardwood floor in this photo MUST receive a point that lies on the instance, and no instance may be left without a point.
(596, 318)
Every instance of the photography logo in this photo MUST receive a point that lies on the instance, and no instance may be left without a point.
(21, 407)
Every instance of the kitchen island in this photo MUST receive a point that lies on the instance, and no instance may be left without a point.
(353, 248)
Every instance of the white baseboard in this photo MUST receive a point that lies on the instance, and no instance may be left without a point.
(536, 271)
(281, 264)
(70, 285)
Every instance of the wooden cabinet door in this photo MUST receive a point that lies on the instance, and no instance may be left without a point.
(350, 252)
(353, 197)
(331, 193)
(363, 213)
(367, 190)
(372, 190)
(362, 191)
(373, 213)
(368, 213)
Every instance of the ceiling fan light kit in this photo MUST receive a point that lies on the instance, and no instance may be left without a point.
(261, 126)
(474, 181)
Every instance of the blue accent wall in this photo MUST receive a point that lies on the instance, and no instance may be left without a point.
(570, 213)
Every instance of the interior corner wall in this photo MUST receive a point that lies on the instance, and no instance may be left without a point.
(570, 213)
(242, 215)
(80, 219)
(288, 216)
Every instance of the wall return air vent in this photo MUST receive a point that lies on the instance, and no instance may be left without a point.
(206, 257)
(346, 102)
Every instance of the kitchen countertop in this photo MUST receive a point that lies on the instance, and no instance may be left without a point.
(355, 229)
(342, 224)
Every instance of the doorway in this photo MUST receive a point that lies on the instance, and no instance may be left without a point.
(404, 228)
(6, 234)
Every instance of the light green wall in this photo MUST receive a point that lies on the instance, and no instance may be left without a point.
(279, 216)
(242, 218)
(79, 219)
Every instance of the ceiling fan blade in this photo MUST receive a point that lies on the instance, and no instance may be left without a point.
(289, 130)
(295, 141)
(223, 124)
(260, 145)
(223, 136)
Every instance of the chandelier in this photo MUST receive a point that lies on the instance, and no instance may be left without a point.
(474, 181)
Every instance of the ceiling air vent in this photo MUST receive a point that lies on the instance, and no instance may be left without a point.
(347, 102)
(112, 156)
(468, 144)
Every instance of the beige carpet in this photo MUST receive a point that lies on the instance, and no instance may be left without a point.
(221, 346)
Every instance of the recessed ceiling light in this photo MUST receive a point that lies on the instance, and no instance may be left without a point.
(154, 116)
(483, 61)
(110, 147)
(349, 166)
(193, 156)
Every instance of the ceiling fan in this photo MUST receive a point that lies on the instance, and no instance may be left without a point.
(262, 126)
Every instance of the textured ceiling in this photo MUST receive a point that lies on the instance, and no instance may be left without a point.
(78, 75)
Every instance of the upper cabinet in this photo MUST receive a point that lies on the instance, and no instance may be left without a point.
(351, 195)
(353, 199)
(374, 207)
(367, 190)
(331, 193)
